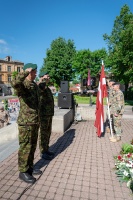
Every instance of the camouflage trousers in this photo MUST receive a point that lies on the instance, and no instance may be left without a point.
(28, 136)
(45, 133)
(116, 124)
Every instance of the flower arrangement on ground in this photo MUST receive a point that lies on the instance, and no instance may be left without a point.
(124, 165)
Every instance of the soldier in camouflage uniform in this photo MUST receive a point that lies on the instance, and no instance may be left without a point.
(46, 108)
(110, 98)
(28, 121)
(117, 110)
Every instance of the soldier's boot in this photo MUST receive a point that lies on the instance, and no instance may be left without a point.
(33, 171)
(26, 177)
(112, 138)
(36, 172)
(115, 139)
(118, 138)
(107, 129)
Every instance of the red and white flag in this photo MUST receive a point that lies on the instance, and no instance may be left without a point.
(102, 93)
(89, 78)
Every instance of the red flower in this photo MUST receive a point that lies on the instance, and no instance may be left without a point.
(128, 155)
(119, 157)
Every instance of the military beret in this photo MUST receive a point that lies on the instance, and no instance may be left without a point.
(42, 74)
(116, 83)
(30, 65)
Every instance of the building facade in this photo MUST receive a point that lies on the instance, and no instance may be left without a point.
(7, 67)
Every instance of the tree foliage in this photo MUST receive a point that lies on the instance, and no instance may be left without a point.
(97, 57)
(120, 46)
(81, 63)
(85, 59)
(58, 61)
(14, 74)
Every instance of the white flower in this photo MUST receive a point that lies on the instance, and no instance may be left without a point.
(129, 165)
(125, 173)
(131, 170)
(131, 173)
(122, 164)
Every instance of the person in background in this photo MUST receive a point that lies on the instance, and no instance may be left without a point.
(117, 110)
(46, 108)
(3, 117)
(28, 121)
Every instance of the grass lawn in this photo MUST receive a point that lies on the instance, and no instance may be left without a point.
(86, 100)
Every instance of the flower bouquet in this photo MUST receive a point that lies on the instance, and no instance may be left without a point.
(124, 167)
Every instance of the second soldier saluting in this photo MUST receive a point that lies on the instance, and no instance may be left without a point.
(46, 107)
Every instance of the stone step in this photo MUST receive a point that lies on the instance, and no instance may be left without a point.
(7, 148)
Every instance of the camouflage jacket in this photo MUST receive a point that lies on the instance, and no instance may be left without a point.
(111, 95)
(46, 104)
(27, 92)
(117, 104)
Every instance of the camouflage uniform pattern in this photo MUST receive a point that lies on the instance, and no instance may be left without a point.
(28, 120)
(27, 146)
(111, 95)
(117, 107)
(46, 108)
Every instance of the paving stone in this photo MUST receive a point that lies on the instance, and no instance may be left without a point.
(83, 168)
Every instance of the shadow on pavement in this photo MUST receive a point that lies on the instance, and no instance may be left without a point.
(58, 147)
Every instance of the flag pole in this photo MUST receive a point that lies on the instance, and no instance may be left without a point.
(109, 113)
(109, 118)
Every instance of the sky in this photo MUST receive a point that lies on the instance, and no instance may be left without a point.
(28, 27)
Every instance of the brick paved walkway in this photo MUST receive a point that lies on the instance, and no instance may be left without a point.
(83, 168)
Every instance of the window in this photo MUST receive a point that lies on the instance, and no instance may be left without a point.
(9, 68)
(18, 69)
(0, 68)
(9, 78)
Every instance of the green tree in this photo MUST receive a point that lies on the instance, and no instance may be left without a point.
(14, 74)
(5, 104)
(58, 61)
(120, 47)
(85, 59)
(97, 57)
(75, 81)
(81, 63)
